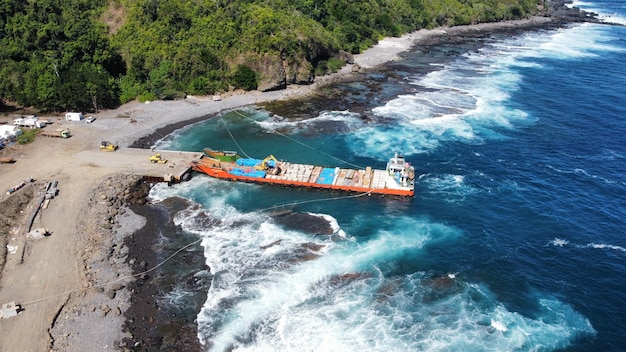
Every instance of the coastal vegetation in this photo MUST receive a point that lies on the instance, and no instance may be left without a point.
(90, 54)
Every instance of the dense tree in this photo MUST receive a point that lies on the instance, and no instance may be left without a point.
(56, 55)
(244, 78)
(68, 54)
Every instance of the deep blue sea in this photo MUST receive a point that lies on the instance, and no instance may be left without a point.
(514, 241)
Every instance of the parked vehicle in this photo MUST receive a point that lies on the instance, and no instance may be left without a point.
(60, 133)
(156, 158)
(107, 146)
(29, 121)
(74, 116)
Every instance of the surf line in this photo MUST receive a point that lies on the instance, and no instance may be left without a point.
(558, 242)
(237, 112)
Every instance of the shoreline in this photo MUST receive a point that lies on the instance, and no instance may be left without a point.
(388, 52)
(160, 118)
(106, 256)
(384, 52)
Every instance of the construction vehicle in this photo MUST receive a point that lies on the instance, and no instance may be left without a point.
(156, 158)
(268, 163)
(59, 133)
(107, 146)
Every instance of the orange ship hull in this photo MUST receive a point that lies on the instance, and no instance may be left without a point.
(221, 170)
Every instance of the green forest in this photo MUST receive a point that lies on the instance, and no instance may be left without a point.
(86, 55)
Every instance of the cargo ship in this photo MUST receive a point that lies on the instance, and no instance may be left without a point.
(397, 179)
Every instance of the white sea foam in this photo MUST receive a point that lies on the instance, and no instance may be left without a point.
(261, 300)
(558, 242)
(177, 297)
(348, 121)
(606, 246)
(355, 319)
(583, 173)
(451, 188)
(469, 97)
(332, 222)
(498, 325)
(585, 40)
(608, 17)
(266, 293)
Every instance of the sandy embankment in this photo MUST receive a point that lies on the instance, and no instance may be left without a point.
(57, 277)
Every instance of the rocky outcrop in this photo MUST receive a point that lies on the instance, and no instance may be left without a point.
(560, 10)
(271, 71)
(300, 72)
(306, 223)
(277, 71)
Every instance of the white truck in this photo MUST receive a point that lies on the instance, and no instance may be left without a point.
(29, 121)
(74, 116)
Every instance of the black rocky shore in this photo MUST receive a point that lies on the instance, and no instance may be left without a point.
(156, 326)
(154, 323)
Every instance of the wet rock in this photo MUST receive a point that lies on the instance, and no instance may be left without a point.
(271, 244)
(306, 223)
(442, 282)
(344, 279)
(176, 204)
(296, 257)
(315, 247)
(388, 289)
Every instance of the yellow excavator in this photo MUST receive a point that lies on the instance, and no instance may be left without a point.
(264, 165)
(156, 158)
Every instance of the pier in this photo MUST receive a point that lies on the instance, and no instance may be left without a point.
(136, 161)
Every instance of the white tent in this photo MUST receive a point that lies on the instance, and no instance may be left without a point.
(7, 131)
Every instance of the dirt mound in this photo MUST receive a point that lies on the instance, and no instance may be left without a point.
(11, 217)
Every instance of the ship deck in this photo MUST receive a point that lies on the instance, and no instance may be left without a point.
(305, 175)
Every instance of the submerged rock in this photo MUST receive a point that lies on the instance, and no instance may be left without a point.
(271, 244)
(340, 280)
(307, 223)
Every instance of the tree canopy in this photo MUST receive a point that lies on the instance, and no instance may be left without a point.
(90, 54)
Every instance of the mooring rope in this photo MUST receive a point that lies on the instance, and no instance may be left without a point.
(317, 200)
(301, 143)
(116, 280)
(232, 137)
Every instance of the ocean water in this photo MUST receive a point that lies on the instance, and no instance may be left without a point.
(515, 240)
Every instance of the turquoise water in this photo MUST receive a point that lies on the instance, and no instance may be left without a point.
(513, 242)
